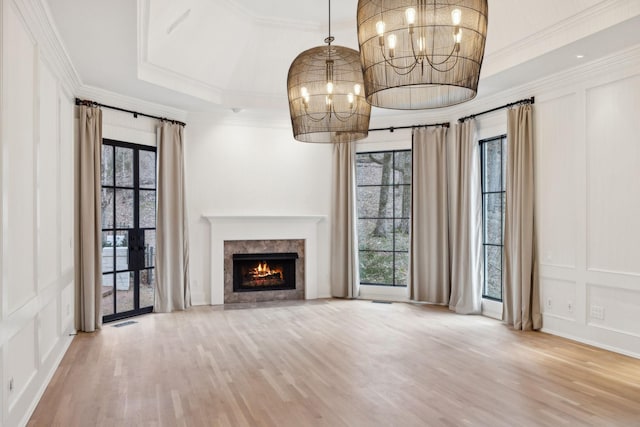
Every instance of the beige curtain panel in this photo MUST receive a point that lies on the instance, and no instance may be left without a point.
(345, 280)
(88, 268)
(465, 220)
(172, 256)
(429, 253)
(521, 304)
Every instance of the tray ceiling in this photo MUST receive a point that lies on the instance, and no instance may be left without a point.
(207, 55)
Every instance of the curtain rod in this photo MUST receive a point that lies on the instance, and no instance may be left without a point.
(135, 113)
(392, 128)
(511, 104)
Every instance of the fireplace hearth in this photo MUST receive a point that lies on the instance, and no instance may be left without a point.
(257, 272)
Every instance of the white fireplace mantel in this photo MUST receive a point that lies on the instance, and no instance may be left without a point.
(263, 227)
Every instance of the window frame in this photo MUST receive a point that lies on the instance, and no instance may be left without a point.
(503, 147)
(394, 187)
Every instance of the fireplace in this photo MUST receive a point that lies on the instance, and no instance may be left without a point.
(264, 271)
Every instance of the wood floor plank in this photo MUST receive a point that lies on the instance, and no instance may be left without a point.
(335, 363)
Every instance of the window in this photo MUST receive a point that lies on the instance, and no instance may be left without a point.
(494, 164)
(384, 214)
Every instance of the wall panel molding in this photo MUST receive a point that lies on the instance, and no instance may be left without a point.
(36, 289)
(612, 286)
(613, 159)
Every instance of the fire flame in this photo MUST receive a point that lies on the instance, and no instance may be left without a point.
(263, 270)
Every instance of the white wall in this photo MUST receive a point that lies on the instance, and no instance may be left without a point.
(588, 203)
(235, 169)
(36, 256)
(121, 126)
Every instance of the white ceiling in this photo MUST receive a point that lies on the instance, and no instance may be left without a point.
(208, 55)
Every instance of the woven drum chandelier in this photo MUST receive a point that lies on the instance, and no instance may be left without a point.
(419, 54)
(326, 94)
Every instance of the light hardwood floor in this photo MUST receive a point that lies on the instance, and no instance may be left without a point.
(335, 363)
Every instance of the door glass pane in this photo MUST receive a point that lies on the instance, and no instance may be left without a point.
(106, 207)
(124, 291)
(147, 287)
(147, 169)
(124, 167)
(107, 294)
(147, 208)
(122, 250)
(124, 209)
(106, 169)
(107, 251)
(149, 248)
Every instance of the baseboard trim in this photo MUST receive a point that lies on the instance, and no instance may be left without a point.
(66, 341)
(591, 343)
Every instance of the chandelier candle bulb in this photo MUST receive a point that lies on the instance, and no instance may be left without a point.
(456, 16)
(410, 13)
(421, 44)
(392, 45)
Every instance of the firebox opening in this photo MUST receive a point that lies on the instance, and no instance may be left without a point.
(264, 272)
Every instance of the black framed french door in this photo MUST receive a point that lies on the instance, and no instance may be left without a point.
(128, 205)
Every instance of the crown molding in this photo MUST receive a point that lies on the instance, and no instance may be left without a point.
(615, 66)
(40, 23)
(41, 26)
(161, 76)
(103, 96)
(596, 18)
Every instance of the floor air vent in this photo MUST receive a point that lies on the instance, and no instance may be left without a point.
(127, 323)
(381, 302)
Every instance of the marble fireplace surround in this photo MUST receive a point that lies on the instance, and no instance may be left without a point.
(263, 227)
